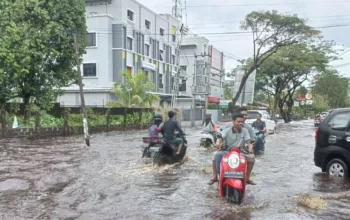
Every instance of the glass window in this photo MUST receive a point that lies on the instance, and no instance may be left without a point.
(89, 70)
(130, 15)
(340, 121)
(129, 43)
(91, 39)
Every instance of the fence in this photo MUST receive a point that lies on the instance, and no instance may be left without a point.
(129, 118)
(102, 119)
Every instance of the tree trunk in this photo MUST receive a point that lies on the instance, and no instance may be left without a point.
(26, 110)
(244, 80)
(283, 114)
(3, 120)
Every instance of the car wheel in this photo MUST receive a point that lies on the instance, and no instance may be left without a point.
(338, 168)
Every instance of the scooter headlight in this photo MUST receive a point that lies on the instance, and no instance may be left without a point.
(233, 161)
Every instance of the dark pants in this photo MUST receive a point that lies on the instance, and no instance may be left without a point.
(175, 141)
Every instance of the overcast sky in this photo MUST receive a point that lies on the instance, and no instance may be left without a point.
(220, 16)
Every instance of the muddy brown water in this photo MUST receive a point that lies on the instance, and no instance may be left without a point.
(60, 178)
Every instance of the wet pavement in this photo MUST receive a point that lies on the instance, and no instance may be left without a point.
(60, 178)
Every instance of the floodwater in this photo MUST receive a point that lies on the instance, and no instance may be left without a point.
(60, 178)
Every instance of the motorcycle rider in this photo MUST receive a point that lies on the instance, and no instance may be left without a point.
(243, 111)
(154, 130)
(208, 124)
(261, 127)
(232, 137)
(168, 128)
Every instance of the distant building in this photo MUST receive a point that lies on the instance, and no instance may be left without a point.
(206, 54)
(124, 35)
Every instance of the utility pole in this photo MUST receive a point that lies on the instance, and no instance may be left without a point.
(200, 87)
(80, 81)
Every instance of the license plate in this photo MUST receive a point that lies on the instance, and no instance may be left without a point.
(231, 174)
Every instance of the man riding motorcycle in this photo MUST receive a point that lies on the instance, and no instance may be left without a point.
(232, 137)
(261, 127)
(243, 111)
(168, 128)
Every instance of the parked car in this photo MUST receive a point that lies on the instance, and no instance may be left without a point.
(270, 123)
(332, 137)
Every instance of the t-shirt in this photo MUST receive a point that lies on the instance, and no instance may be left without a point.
(233, 139)
(246, 126)
(259, 125)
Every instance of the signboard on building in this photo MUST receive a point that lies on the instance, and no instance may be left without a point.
(224, 103)
(148, 66)
(216, 58)
(248, 91)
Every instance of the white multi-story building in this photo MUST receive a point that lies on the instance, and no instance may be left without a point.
(124, 35)
(194, 49)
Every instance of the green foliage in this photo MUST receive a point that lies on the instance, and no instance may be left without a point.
(37, 54)
(333, 87)
(134, 89)
(271, 32)
(285, 71)
(228, 90)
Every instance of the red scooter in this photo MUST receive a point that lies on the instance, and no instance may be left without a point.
(233, 176)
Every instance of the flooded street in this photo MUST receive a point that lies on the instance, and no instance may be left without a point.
(62, 179)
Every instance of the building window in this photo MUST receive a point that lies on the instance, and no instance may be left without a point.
(161, 31)
(147, 24)
(91, 39)
(129, 43)
(89, 70)
(183, 69)
(173, 60)
(174, 38)
(161, 86)
(161, 55)
(130, 15)
(147, 50)
(182, 87)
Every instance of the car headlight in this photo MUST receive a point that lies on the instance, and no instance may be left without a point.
(233, 161)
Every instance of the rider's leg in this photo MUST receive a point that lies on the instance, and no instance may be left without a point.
(179, 143)
(218, 158)
(250, 162)
(216, 166)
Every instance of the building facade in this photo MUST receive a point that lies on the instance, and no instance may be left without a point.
(201, 65)
(124, 35)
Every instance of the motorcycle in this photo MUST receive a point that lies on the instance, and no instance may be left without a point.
(233, 176)
(257, 132)
(166, 154)
(154, 144)
(207, 139)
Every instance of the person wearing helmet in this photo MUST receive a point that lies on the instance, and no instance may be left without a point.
(154, 130)
(208, 124)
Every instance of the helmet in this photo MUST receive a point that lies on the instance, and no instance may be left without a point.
(157, 116)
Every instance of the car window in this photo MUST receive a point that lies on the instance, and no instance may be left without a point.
(340, 121)
(252, 115)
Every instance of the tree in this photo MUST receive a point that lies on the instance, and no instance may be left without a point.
(39, 42)
(286, 70)
(302, 91)
(271, 31)
(134, 90)
(333, 87)
(228, 89)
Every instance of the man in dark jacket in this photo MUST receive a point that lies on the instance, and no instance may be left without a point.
(169, 128)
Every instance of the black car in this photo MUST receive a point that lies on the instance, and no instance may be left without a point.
(332, 151)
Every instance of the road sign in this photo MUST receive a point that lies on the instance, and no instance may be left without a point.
(308, 96)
